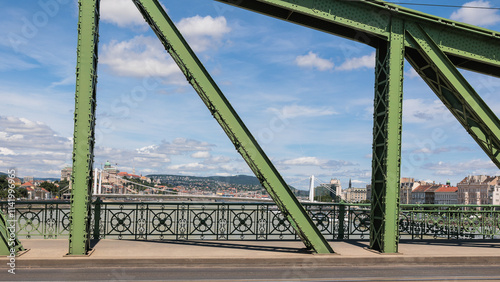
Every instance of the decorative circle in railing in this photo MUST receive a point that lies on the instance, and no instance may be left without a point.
(322, 220)
(65, 221)
(280, 223)
(404, 223)
(120, 222)
(361, 222)
(162, 222)
(29, 221)
(202, 222)
(242, 222)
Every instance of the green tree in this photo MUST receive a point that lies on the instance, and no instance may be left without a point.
(4, 186)
(323, 198)
(4, 189)
(51, 187)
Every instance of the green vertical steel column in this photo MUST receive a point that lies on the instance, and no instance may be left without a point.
(83, 140)
(230, 122)
(436, 69)
(387, 116)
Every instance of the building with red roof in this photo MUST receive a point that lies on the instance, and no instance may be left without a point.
(446, 195)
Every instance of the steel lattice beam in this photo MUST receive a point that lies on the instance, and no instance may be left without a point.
(230, 122)
(83, 140)
(454, 91)
(387, 116)
(367, 21)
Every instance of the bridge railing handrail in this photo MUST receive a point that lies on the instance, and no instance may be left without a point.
(249, 220)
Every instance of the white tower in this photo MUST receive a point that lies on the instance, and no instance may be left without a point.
(311, 189)
(95, 181)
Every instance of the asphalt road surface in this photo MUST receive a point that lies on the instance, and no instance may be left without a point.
(340, 273)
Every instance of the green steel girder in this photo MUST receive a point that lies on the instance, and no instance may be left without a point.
(233, 126)
(368, 21)
(7, 242)
(387, 116)
(454, 91)
(83, 140)
(435, 47)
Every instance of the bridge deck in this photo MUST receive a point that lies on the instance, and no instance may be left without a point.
(123, 253)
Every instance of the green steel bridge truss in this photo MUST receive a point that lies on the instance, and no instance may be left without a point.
(434, 46)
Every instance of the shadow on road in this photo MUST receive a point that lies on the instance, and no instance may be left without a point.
(230, 246)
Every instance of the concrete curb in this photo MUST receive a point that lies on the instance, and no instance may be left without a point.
(309, 261)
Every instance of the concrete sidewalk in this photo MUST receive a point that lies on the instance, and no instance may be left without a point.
(124, 253)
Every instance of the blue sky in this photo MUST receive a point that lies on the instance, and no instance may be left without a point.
(306, 96)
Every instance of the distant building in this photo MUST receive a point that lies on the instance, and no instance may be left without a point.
(418, 194)
(407, 185)
(438, 194)
(28, 179)
(369, 192)
(110, 175)
(354, 195)
(446, 195)
(479, 190)
(17, 182)
(66, 173)
(333, 189)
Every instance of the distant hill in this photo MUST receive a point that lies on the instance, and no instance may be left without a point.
(48, 178)
(237, 179)
(3, 173)
(250, 182)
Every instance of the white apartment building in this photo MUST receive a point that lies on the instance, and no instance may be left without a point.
(479, 190)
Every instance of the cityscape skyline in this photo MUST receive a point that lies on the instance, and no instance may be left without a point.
(302, 99)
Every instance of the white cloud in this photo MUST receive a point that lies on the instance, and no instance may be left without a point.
(411, 73)
(122, 13)
(217, 160)
(142, 56)
(31, 146)
(482, 17)
(191, 167)
(367, 61)
(293, 111)
(203, 32)
(201, 155)
(459, 169)
(314, 161)
(6, 151)
(13, 62)
(312, 60)
(421, 111)
(304, 161)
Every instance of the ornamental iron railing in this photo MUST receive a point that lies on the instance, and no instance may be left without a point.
(249, 221)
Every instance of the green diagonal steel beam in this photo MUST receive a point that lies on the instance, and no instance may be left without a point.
(455, 92)
(367, 21)
(4, 236)
(387, 117)
(230, 122)
(9, 245)
(83, 140)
